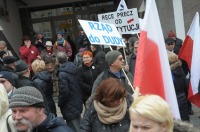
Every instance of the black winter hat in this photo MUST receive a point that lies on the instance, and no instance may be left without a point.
(21, 65)
(169, 40)
(9, 59)
(8, 76)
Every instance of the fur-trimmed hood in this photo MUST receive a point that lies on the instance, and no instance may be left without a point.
(181, 126)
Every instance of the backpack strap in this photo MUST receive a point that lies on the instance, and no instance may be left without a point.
(7, 124)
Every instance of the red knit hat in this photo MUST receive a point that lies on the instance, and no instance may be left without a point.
(171, 34)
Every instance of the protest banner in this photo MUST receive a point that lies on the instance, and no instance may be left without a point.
(126, 21)
(102, 33)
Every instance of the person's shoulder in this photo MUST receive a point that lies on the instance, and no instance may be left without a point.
(57, 124)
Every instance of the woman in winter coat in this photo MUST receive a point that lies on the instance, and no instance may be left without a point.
(109, 111)
(62, 45)
(48, 52)
(87, 74)
(44, 80)
(180, 85)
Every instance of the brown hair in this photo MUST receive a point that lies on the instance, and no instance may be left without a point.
(87, 53)
(110, 90)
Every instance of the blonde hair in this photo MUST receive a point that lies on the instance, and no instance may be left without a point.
(38, 66)
(154, 108)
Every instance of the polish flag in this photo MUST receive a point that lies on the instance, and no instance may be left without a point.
(152, 73)
(190, 53)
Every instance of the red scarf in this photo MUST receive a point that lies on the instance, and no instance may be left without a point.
(50, 51)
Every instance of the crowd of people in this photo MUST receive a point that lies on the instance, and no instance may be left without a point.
(99, 80)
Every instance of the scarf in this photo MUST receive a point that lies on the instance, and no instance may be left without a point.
(50, 51)
(60, 42)
(109, 115)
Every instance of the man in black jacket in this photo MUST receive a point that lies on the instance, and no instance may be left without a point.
(69, 99)
(28, 112)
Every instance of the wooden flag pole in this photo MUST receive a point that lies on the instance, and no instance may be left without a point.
(125, 56)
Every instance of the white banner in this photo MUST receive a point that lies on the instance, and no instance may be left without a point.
(102, 33)
(126, 21)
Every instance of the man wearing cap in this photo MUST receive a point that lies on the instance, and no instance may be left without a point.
(7, 80)
(178, 42)
(40, 42)
(169, 44)
(23, 72)
(27, 105)
(9, 65)
(115, 62)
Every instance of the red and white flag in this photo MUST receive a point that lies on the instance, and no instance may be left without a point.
(152, 73)
(190, 53)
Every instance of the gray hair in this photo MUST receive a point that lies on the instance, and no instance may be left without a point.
(132, 40)
(3, 42)
(61, 57)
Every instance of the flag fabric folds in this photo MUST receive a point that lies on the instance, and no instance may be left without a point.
(190, 53)
(152, 73)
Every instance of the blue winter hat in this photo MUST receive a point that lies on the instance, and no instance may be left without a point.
(8, 76)
(59, 32)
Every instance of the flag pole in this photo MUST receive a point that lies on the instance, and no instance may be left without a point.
(125, 56)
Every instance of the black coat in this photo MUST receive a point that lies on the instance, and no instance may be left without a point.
(44, 80)
(180, 86)
(99, 59)
(131, 62)
(52, 124)
(91, 122)
(25, 81)
(87, 76)
(69, 99)
(178, 44)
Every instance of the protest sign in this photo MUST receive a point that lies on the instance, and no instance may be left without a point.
(102, 33)
(125, 21)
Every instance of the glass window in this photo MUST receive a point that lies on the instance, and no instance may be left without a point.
(43, 27)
